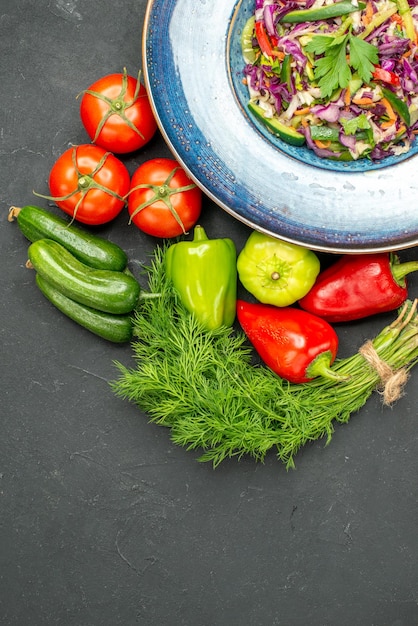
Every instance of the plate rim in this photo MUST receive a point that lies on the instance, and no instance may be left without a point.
(369, 246)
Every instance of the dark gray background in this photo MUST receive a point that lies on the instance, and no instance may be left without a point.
(103, 520)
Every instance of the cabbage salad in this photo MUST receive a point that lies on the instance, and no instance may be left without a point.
(338, 77)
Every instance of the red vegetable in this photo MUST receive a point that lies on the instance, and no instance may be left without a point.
(117, 114)
(89, 184)
(296, 345)
(163, 201)
(386, 76)
(266, 46)
(358, 286)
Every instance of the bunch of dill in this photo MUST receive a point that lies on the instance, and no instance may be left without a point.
(204, 386)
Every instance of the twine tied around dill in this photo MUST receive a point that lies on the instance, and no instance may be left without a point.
(392, 382)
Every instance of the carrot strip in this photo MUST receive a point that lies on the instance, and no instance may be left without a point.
(362, 100)
(396, 18)
(391, 113)
(322, 144)
(303, 111)
(347, 97)
(368, 14)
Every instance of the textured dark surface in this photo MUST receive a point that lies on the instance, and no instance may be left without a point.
(103, 521)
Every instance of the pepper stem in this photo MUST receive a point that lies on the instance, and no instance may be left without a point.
(199, 234)
(400, 270)
(321, 366)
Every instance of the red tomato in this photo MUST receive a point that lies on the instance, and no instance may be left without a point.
(117, 114)
(89, 184)
(163, 201)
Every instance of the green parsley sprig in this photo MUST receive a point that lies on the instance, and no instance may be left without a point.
(337, 57)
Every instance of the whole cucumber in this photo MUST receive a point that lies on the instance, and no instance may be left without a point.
(115, 328)
(105, 290)
(36, 223)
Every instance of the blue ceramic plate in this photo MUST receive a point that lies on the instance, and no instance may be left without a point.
(192, 70)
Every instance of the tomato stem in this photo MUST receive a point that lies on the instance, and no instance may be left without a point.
(117, 106)
(162, 192)
(84, 184)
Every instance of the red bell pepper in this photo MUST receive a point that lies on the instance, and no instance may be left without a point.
(357, 286)
(294, 344)
(386, 76)
(266, 46)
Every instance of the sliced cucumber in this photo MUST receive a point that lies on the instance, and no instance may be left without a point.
(289, 134)
(247, 39)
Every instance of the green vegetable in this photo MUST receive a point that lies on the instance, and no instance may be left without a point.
(276, 272)
(247, 41)
(115, 328)
(286, 71)
(332, 70)
(399, 105)
(356, 125)
(378, 18)
(203, 272)
(359, 126)
(406, 14)
(203, 385)
(322, 13)
(36, 223)
(287, 133)
(105, 290)
(355, 83)
(324, 133)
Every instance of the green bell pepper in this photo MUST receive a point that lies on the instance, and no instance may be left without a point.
(322, 13)
(204, 274)
(276, 272)
(399, 105)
